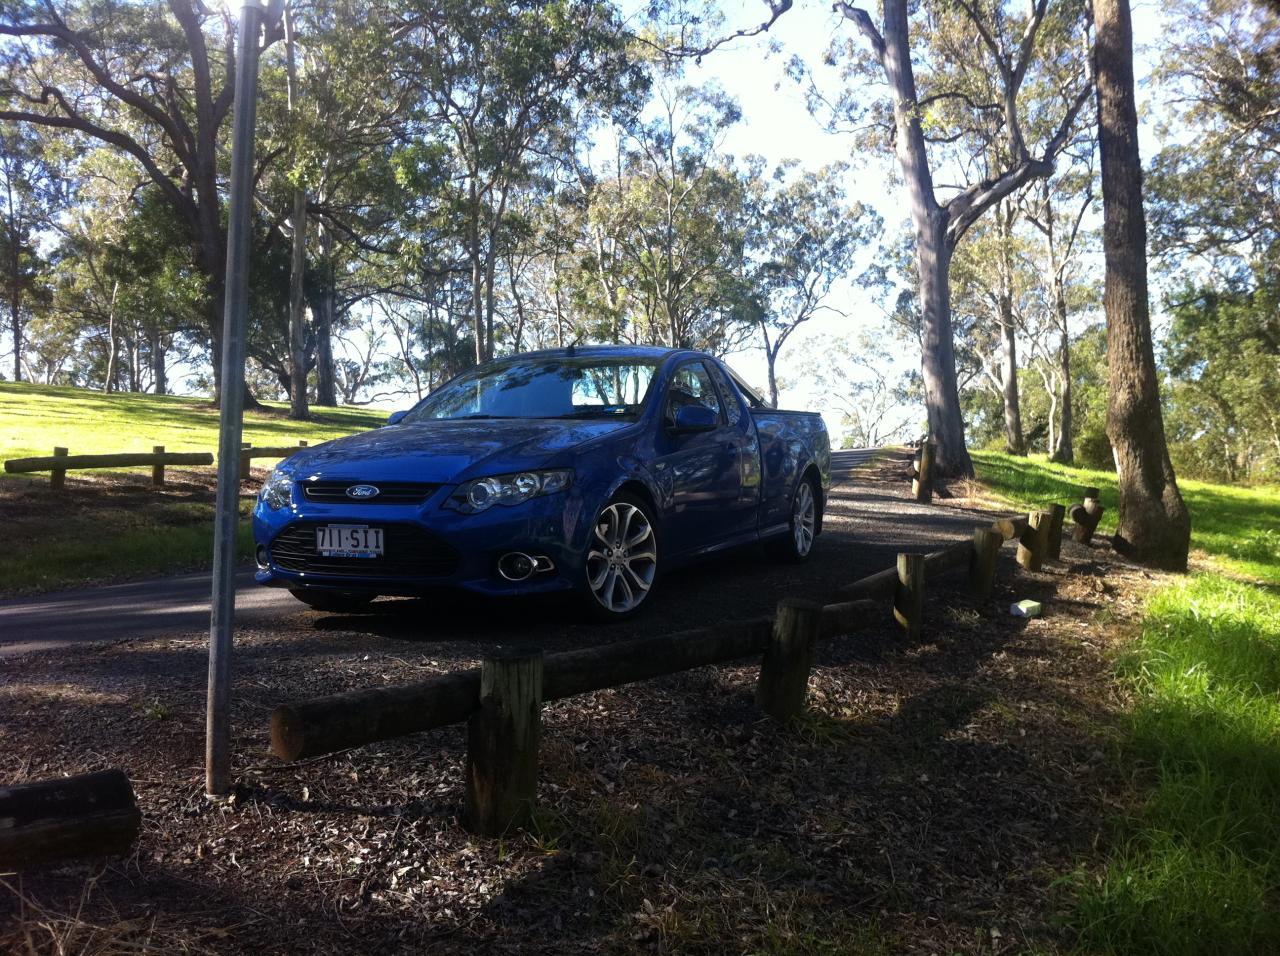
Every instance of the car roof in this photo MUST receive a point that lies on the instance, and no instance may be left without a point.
(597, 351)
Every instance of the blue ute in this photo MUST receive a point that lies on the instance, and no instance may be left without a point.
(589, 470)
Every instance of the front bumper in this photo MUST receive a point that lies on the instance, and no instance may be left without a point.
(427, 547)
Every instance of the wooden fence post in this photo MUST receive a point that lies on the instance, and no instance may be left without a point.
(908, 595)
(982, 562)
(784, 673)
(1087, 516)
(1056, 514)
(157, 470)
(245, 461)
(1034, 541)
(922, 486)
(58, 476)
(502, 743)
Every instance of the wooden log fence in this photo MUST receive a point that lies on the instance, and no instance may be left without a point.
(1085, 517)
(501, 700)
(86, 816)
(62, 461)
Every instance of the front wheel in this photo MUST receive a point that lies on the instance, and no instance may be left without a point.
(622, 558)
(334, 602)
(797, 544)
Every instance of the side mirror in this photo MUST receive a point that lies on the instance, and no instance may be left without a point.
(395, 417)
(695, 418)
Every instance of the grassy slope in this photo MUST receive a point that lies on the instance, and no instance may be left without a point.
(106, 527)
(35, 418)
(1195, 865)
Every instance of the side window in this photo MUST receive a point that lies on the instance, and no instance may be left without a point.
(732, 404)
(691, 386)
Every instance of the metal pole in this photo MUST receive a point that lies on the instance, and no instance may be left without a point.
(227, 515)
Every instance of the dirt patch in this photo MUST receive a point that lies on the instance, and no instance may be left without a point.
(927, 802)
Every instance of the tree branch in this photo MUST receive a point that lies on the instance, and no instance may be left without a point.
(862, 20)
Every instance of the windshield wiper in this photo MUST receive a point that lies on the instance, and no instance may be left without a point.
(598, 413)
(465, 418)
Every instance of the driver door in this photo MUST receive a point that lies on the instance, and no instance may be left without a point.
(702, 468)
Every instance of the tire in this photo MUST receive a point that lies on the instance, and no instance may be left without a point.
(335, 602)
(620, 567)
(796, 545)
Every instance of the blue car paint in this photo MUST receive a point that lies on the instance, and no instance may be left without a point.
(711, 491)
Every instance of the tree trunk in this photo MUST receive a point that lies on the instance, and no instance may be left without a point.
(158, 371)
(938, 361)
(933, 252)
(297, 311)
(326, 387)
(298, 258)
(1015, 444)
(1063, 451)
(1154, 526)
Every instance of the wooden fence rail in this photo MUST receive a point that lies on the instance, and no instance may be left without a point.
(62, 461)
(501, 700)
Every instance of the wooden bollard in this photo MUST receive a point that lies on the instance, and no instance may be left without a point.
(1034, 542)
(58, 476)
(245, 461)
(982, 562)
(502, 743)
(922, 485)
(157, 470)
(1056, 514)
(83, 817)
(788, 657)
(908, 595)
(1087, 516)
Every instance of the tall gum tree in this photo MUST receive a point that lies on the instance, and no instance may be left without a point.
(1154, 525)
(153, 80)
(1005, 47)
(977, 60)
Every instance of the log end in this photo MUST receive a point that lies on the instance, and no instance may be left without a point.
(288, 738)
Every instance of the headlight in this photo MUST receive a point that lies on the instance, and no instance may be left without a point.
(482, 494)
(277, 490)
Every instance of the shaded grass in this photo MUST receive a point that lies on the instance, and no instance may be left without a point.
(1238, 526)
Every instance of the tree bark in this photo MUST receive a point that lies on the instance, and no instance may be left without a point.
(159, 374)
(326, 386)
(1015, 443)
(298, 251)
(1063, 451)
(1154, 526)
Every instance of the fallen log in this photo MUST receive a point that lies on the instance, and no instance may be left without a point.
(83, 817)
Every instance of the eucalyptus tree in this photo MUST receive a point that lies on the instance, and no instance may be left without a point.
(497, 80)
(955, 73)
(806, 239)
(32, 191)
(1154, 526)
(152, 80)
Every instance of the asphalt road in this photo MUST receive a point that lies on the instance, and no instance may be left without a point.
(174, 605)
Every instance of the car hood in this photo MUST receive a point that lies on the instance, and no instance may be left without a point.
(445, 451)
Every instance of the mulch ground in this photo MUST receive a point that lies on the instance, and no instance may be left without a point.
(928, 802)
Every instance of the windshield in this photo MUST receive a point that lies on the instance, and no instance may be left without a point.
(543, 388)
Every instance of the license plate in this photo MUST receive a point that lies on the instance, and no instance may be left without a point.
(349, 541)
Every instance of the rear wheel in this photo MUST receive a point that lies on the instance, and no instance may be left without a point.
(797, 544)
(339, 602)
(622, 558)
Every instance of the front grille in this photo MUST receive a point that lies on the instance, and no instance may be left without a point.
(389, 492)
(410, 552)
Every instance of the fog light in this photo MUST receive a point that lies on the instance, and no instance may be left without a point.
(515, 566)
(261, 555)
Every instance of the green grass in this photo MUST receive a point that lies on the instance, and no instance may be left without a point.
(1238, 526)
(1194, 866)
(36, 418)
(99, 529)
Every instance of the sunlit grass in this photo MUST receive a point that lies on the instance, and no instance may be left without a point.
(1196, 866)
(1238, 526)
(36, 418)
